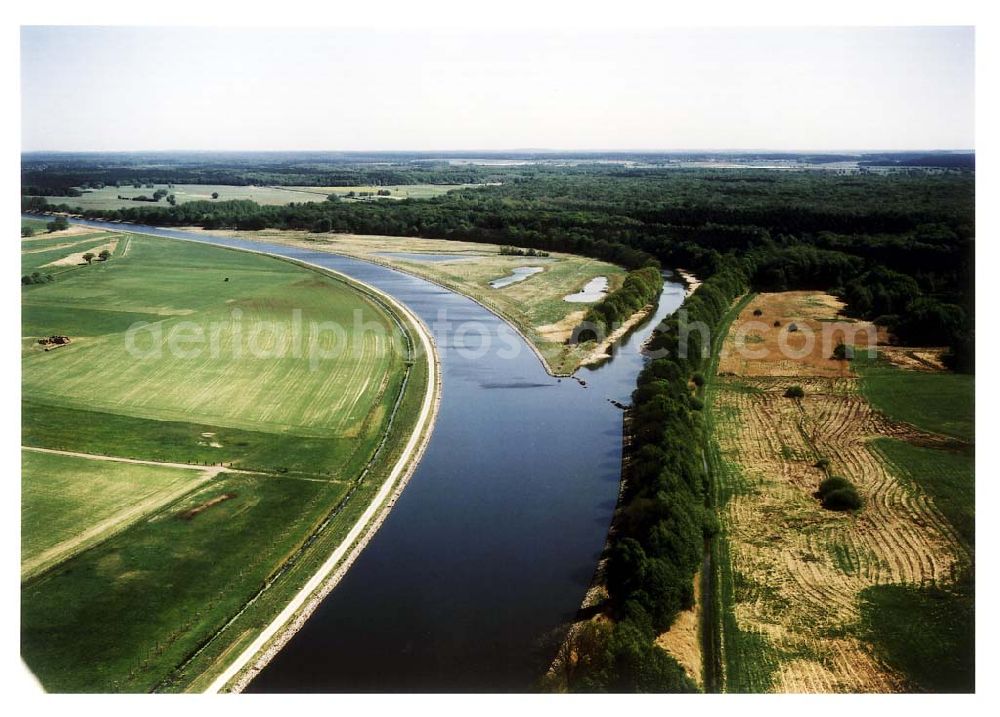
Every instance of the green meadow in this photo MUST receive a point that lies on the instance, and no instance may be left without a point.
(939, 402)
(187, 353)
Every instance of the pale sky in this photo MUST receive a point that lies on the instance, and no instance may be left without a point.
(104, 88)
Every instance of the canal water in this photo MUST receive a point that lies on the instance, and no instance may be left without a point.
(471, 580)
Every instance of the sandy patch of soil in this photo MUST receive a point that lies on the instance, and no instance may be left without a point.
(690, 279)
(601, 351)
(77, 257)
(915, 359)
(809, 327)
(683, 639)
(562, 330)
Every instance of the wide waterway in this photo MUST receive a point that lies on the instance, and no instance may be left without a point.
(485, 557)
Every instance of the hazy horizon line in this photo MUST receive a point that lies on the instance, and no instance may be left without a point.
(516, 150)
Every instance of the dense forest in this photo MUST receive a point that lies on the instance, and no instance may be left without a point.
(897, 247)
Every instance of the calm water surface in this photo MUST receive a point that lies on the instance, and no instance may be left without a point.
(517, 274)
(490, 548)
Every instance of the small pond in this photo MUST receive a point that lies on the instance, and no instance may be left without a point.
(518, 274)
(595, 290)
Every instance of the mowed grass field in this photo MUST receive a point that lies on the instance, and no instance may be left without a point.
(152, 563)
(71, 502)
(123, 615)
(536, 305)
(107, 197)
(43, 249)
(251, 367)
(814, 600)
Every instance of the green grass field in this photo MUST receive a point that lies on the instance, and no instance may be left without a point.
(927, 633)
(127, 609)
(536, 305)
(939, 402)
(70, 503)
(250, 370)
(44, 249)
(947, 476)
(39, 225)
(122, 615)
(107, 198)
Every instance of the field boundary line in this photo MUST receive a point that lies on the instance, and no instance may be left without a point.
(213, 469)
(105, 530)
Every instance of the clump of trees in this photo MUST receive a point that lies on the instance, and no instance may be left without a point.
(838, 493)
(641, 287)
(57, 225)
(517, 251)
(35, 277)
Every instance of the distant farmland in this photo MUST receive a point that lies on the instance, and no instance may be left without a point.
(108, 197)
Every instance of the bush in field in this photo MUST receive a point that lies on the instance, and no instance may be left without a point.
(758, 312)
(35, 278)
(88, 257)
(795, 391)
(823, 464)
(27, 232)
(833, 483)
(842, 499)
(698, 380)
(843, 352)
(838, 493)
(104, 255)
(57, 224)
(215, 195)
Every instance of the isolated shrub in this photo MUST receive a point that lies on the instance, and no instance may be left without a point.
(833, 483)
(777, 324)
(823, 464)
(758, 312)
(27, 231)
(843, 352)
(795, 391)
(842, 499)
(792, 328)
(57, 224)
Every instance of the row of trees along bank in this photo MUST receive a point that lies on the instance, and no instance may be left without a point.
(657, 544)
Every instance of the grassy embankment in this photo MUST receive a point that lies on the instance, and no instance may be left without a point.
(152, 606)
(536, 305)
(107, 197)
(810, 599)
